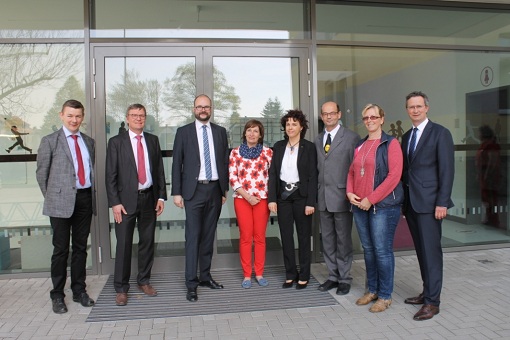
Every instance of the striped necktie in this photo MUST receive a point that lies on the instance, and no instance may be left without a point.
(207, 154)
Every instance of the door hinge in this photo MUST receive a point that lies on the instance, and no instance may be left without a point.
(94, 90)
(94, 66)
(309, 88)
(99, 254)
(308, 66)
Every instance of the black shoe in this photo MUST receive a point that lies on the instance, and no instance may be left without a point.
(288, 284)
(84, 299)
(191, 295)
(343, 288)
(8, 151)
(328, 285)
(301, 285)
(59, 306)
(211, 284)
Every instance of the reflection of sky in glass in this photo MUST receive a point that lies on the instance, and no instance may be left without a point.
(256, 79)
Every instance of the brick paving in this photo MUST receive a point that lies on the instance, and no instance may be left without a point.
(475, 305)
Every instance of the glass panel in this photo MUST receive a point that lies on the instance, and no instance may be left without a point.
(247, 88)
(200, 19)
(469, 94)
(413, 24)
(35, 82)
(42, 19)
(166, 87)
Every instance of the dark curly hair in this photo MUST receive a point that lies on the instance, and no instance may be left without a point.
(297, 115)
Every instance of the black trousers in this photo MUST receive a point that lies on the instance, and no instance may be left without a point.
(202, 214)
(426, 232)
(145, 215)
(75, 229)
(290, 211)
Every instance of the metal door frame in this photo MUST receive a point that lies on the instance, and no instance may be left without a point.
(203, 54)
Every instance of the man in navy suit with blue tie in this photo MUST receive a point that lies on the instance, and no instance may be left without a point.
(200, 185)
(428, 180)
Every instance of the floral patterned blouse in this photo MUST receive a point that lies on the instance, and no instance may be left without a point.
(250, 174)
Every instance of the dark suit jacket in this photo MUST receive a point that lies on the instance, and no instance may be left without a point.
(122, 175)
(56, 174)
(186, 159)
(428, 177)
(307, 169)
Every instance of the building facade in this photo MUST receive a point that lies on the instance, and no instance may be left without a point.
(256, 59)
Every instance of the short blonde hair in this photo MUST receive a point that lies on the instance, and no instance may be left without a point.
(378, 109)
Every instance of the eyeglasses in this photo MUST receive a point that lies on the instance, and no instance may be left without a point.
(135, 116)
(417, 107)
(365, 119)
(329, 114)
(200, 108)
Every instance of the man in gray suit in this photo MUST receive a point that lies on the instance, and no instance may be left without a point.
(65, 173)
(335, 150)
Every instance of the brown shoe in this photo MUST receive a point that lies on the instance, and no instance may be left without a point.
(121, 299)
(366, 299)
(380, 305)
(417, 300)
(426, 312)
(148, 290)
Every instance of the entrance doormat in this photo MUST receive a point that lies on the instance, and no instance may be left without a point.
(171, 299)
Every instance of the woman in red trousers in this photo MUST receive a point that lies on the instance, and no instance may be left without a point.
(248, 174)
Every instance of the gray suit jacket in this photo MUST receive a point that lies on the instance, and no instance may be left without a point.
(333, 169)
(56, 174)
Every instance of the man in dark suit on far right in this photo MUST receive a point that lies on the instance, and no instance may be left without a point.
(428, 180)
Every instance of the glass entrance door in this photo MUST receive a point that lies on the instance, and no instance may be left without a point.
(244, 83)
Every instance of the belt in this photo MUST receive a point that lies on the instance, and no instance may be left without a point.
(145, 191)
(205, 181)
(83, 190)
(290, 186)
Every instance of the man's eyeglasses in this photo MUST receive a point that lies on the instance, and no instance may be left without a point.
(365, 119)
(200, 108)
(135, 116)
(417, 107)
(329, 114)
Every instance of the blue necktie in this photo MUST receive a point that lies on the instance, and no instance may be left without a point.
(207, 154)
(412, 144)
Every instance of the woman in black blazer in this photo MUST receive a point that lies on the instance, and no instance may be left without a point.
(293, 194)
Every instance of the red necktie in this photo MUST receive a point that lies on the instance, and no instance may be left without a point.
(81, 169)
(142, 178)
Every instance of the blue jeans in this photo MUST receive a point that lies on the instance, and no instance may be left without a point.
(376, 231)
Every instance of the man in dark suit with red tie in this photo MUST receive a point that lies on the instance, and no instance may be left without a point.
(136, 189)
(200, 185)
(428, 180)
(65, 173)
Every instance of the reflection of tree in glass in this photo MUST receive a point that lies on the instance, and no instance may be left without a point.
(180, 91)
(122, 94)
(272, 109)
(71, 89)
(272, 112)
(28, 67)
